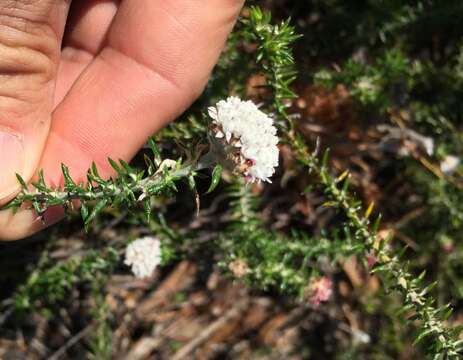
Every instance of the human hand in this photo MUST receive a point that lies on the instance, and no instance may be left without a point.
(122, 70)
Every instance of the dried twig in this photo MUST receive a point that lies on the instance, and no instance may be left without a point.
(190, 347)
(71, 342)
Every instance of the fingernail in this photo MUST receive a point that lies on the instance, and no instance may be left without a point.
(11, 161)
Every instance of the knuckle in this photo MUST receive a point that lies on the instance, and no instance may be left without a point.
(29, 57)
(28, 44)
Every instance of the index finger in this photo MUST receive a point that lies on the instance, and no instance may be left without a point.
(155, 61)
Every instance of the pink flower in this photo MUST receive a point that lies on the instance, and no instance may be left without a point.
(371, 259)
(320, 290)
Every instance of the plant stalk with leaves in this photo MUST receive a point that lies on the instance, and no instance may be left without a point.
(277, 64)
(129, 189)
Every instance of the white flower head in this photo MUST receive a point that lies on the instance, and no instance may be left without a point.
(250, 135)
(144, 256)
(450, 164)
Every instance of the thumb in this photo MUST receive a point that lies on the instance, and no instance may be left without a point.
(30, 42)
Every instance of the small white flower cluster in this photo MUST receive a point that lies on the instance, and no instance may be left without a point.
(144, 256)
(450, 164)
(243, 126)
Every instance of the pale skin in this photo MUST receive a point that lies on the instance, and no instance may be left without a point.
(85, 81)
